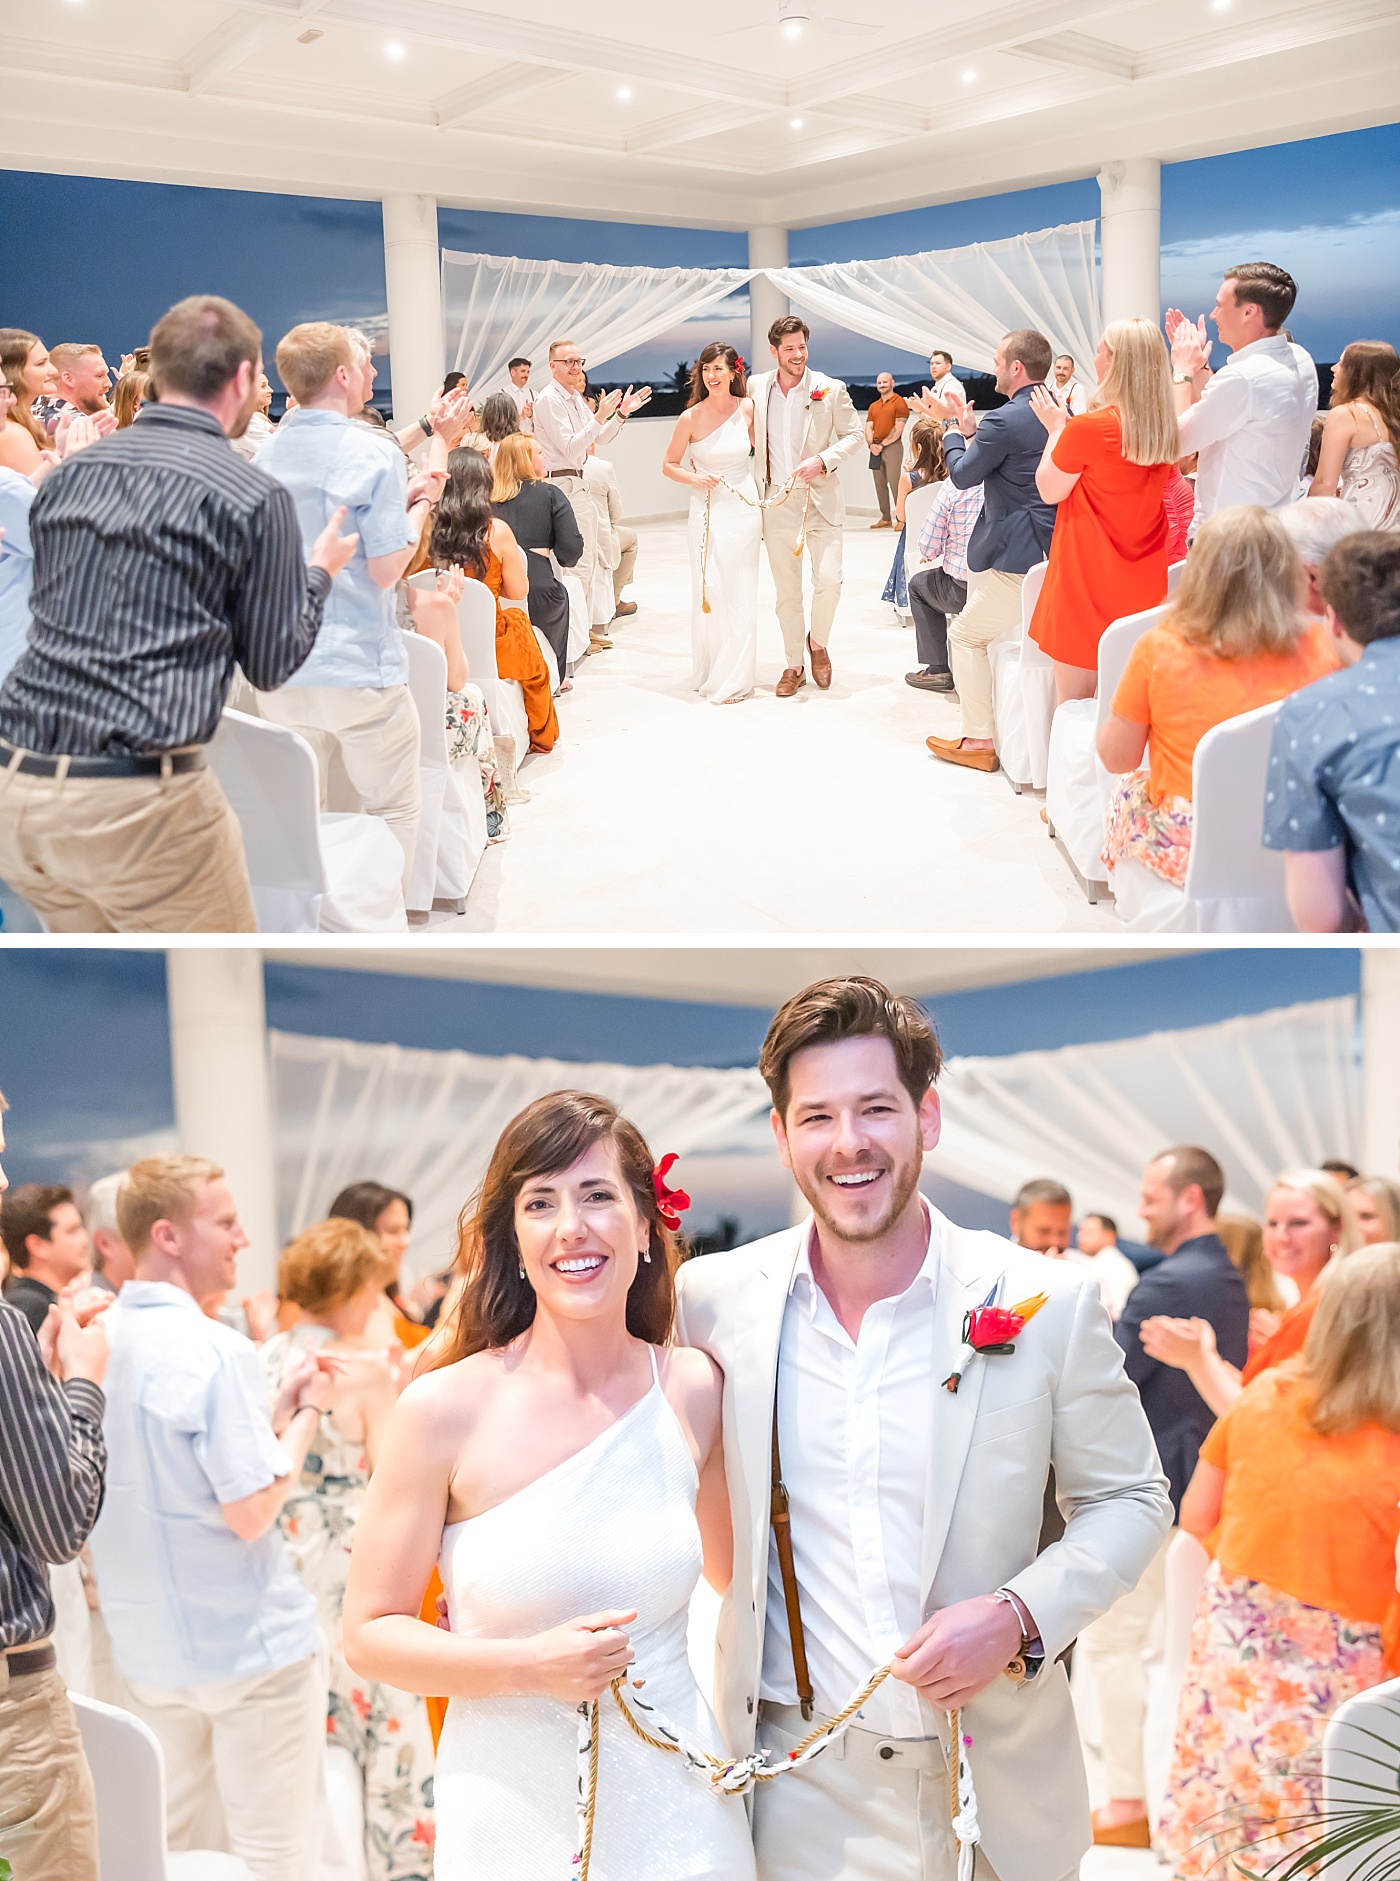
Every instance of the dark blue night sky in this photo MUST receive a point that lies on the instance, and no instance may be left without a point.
(85, 258)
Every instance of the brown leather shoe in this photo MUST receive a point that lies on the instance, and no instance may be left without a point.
(821, 663)
(953, 751)
(1137, 1834)
(597, 642)
(793, 677)
(623, 609)
(882, 524)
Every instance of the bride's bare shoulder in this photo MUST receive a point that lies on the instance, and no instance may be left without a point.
(689, 1373)
(452, 1395)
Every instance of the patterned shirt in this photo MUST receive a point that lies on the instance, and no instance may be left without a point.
(161, 561)
(1334, 777)
(944, 537)
(52, 1466)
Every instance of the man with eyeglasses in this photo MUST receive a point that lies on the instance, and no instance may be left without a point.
(565, 429)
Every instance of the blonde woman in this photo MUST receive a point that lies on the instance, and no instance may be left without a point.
(541, 518)
(29, 373)
(1296, 1488)
(1375, 1202)
(1107, 472)
(128, 396)
(1234, 639)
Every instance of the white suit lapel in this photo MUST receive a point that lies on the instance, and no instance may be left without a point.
(966, 1273)
(755, 1380)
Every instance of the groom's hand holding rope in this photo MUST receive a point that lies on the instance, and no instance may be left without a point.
(960, 1651)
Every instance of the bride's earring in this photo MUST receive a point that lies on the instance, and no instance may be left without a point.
(521, 1266)
(646, 1254)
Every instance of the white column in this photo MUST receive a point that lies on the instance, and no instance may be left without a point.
(768, 248)
(223, 1097)
(413, 279)
(1380, 1035)
(1130, 239)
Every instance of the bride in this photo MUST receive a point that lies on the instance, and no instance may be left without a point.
(562, 1465)
(716, 428)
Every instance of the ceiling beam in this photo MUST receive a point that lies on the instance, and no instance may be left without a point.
(1079, 52)
(236, 40)
(500, 87)
(1285, 32)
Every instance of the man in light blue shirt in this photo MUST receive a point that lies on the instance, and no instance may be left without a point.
(17, 493)
(352, 692)
(211, 1627)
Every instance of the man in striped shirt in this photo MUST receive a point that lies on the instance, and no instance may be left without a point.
(161, 562)
(52, 1470)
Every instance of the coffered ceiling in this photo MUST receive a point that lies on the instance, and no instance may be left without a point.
(720, 115)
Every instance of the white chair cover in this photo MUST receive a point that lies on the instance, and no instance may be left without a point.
(427, 685)
(364, 875)
(579, 622)
(1234, 885)
(916, 508)
(549, 659)
(1360, 1773)
(1186, 1565)
(1023, 696)
(505, 698)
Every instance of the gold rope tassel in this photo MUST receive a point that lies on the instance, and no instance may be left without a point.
(802, 526)
(705, 556)
(586, 1850)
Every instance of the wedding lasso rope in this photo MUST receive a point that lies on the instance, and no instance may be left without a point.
(734, 1776)
(760, 502)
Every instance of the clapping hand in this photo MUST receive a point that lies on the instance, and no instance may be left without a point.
(1177, 1342)
(73, 1345)
(331, 550)
(77, 432)
(450, 414)
(260, 1310)
(425, 487)
(634, 401)
(1189, 341)
(940, 404)
(1048, 410)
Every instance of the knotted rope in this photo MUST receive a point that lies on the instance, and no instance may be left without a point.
(735, 1775)
(761, 502)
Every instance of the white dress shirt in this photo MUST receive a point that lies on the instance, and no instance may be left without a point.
(787, 421)
(1114, 1274)
(565, 427)
(854, 1422)
(1251, 426)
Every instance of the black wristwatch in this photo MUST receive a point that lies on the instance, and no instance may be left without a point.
(425, 425)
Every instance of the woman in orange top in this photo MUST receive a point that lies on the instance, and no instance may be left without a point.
(1107, 473)
(1307, 1223)
(467, 536)
(1234, 639)
(1301, 1479)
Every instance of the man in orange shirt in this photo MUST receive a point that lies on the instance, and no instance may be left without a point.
(884, 434)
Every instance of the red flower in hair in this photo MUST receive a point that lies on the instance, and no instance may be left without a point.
(669, 1202)
(739, 365)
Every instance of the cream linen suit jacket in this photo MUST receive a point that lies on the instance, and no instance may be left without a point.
(832, 432)
(1062, 1396)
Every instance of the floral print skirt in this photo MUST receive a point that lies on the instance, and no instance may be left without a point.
(1264, 1676)
(469, 740)
(1156, 834)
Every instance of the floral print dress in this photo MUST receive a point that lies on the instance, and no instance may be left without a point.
(385, 1731)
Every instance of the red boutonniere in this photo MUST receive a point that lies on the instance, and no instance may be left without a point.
(817, 394)
(669, 1202)
(992, 1330)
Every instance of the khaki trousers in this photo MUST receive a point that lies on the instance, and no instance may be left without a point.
(48, 1813)
(126, 855)
(1116, 1650)
(627, 564)
(378, 737)
(781, 529)
(886, 474)
(586, 516)
(993, 605)
(259, 1744)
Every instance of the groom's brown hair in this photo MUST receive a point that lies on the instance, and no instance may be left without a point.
(851, 1007)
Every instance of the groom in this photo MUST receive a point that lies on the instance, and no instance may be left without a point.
(805, 426)
(913, 1512)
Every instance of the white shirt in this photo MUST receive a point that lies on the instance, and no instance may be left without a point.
(187, 1427)
(565, 427)
(1251, 427)
(1113, 1273)
(787, 421)
(1072, 397)
(521, 394)
(854, 1424)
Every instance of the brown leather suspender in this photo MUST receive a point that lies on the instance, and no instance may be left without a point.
(782, 1534)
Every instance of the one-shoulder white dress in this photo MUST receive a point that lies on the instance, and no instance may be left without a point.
(724, 545)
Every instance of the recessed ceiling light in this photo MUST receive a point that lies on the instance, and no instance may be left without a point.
(792, 29)
(624, 92)
(1220, 6)
(795, 124)
(969, 76)
(394, 50)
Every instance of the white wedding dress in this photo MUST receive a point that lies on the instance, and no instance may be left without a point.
(724, 642)
(611, 1527)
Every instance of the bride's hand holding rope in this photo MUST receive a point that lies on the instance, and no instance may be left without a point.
(578, 1661)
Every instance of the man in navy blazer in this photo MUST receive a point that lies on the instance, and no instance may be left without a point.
(1000, 451)
(1196, 1279)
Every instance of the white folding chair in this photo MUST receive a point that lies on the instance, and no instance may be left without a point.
(917, 505)
(579, 624)
(1023, 695)
(505, 698)
(309, 871)
(128, 1777)
(1234, 885)
(1185, 1576)
(427, 685)
(1361, 1775)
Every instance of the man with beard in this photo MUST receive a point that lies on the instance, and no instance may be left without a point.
(887, 1481)
(161, 562)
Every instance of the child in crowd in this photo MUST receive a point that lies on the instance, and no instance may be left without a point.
(1333, 801)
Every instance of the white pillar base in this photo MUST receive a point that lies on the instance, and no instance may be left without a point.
(223, 1096)
(413, 280)
(768, 248)
(1130, 236)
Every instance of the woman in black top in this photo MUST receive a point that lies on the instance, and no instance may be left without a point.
(542, 519)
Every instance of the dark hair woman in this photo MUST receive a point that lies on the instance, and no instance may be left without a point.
(388, 1214)
(1360, 456)
(500, 417)
(564, 1464)
(700, 387)
(25, 363)
(924, 464)
(468, 536)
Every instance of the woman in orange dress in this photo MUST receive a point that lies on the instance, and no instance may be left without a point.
(1297, 1487)
(467, 536)
(1107, 473)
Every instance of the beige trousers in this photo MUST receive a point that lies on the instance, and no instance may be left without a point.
(781, 528)
(993, 605)
(126, 855)
(1116, 1650)
(627, 565)
(586, 516)
(260, 1745)
(48, 1814)
(378, 738)
(886, 475)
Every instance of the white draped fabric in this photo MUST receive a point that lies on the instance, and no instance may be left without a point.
(1265, 1092)
(964, 299)
(500, 306)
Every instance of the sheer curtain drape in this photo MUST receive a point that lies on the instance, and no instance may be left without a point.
(499, 306)
(1264, 1092)
(964, 299)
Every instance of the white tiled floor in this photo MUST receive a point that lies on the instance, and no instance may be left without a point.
(658, 812)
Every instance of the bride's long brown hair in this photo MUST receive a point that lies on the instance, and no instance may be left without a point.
(717, 349)
(494, 1304)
